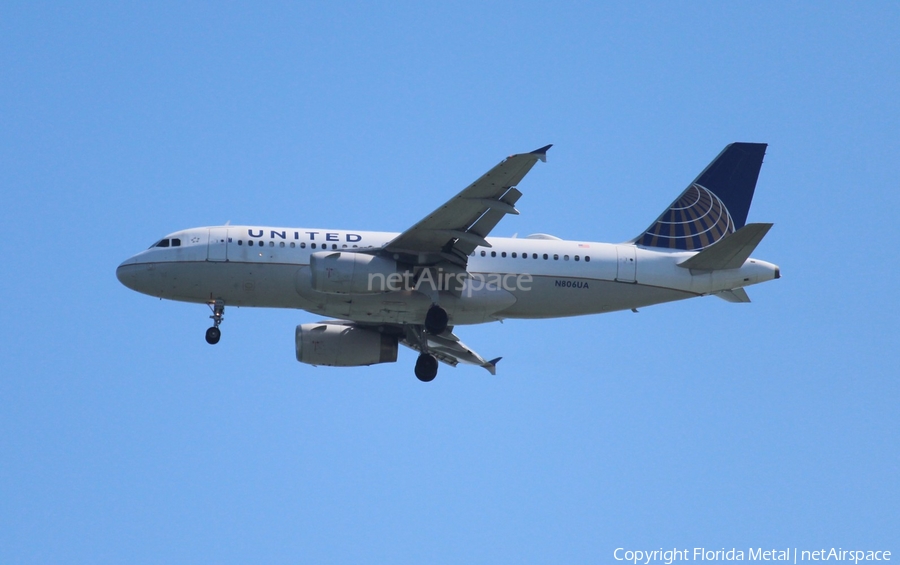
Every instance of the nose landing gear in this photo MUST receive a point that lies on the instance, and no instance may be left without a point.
(213, 334)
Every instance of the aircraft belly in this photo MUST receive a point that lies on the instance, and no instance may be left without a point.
(238, 284)
(552, 297)
(403, 307)
(477, 306)
(389, 307)
(410, 307)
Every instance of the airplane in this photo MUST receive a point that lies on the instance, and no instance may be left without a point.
(413, 288)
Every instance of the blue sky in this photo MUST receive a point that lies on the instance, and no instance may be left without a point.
(124, 437)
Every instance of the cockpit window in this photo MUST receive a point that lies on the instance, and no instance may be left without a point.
(174, 242)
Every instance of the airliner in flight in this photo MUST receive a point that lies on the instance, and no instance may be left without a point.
(413, 288)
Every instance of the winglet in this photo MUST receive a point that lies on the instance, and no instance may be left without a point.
(542, 152)
(491, 365)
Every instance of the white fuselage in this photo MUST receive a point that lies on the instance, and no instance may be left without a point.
(523, 277)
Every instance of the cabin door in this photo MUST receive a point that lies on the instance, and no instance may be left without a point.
(218, 247)
(627, 268)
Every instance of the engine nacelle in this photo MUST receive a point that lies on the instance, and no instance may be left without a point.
(349, 273)
(337, 345)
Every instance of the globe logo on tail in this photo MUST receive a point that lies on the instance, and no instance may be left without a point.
(695, 221)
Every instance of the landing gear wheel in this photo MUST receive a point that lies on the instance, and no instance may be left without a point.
(436, 320)
(426, 367)
(212, 335)
(218, 314)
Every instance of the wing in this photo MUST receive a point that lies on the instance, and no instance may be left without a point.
(445, 347)
(454, 230)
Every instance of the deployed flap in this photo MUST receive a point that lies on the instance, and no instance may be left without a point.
(446, 348)
(455, 229)
(737, 295)
(730, 252)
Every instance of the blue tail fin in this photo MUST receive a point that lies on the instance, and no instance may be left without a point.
(714, 205)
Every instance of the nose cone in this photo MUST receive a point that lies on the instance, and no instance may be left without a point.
(127, 273)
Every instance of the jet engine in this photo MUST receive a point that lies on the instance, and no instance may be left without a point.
(338, 345)
(351, 273)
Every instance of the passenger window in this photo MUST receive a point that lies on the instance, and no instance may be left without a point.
(313, 245)
(546, 256)
(240, 242)
(576, 257)
(281, 244)
(534, 256)
(555, 257)
(176, 242)
(292, 245)
(271, 244)
(565, 257)
(334, 245)
(483, 253)
(302, 245)
(503, 254)
(493, 253)
(513, 254)
(587, 257)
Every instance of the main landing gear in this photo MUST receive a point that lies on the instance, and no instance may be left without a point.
(436, 320)
(213, 334)
(426, 364)
(426, 367)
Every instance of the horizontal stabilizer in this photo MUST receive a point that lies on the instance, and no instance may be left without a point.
(729, 252)
(737, 295)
